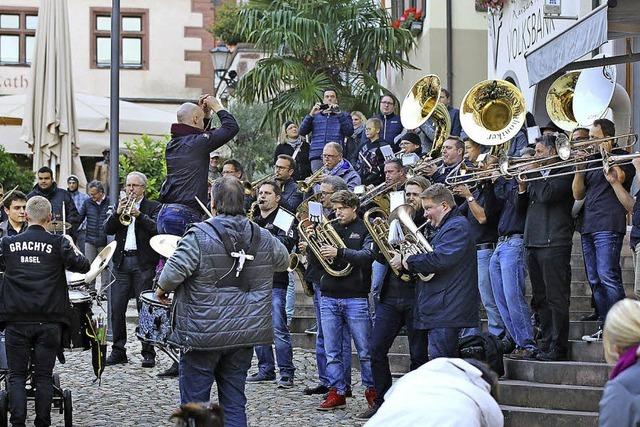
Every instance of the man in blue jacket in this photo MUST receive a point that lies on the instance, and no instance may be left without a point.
(187, 157)
(449, 301)
(325, 122)
(391, 125)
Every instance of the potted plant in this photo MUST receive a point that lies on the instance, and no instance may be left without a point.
(411, 19)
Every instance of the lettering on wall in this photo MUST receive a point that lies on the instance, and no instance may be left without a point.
(12, 83)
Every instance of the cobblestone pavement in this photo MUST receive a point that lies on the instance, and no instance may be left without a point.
(133, 396)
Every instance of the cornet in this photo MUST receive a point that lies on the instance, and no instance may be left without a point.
(125, 216)
(305, 185)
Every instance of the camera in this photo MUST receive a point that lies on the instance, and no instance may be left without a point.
(333, 109)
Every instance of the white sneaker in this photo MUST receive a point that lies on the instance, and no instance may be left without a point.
(593, 338)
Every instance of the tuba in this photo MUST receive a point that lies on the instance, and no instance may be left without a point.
(559, 101)
(323, 235)
(492, 112)
(422, 103)
(414, 242)
(305, 185)
(125, 216)
(376, 221)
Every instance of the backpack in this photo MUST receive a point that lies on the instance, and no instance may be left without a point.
(486, 348)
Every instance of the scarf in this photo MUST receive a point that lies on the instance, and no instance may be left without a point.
(627, 359)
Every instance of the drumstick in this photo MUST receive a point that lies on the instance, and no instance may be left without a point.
(6, 196)
(64, 219)
(204, 208)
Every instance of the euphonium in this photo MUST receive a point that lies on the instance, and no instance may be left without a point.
(414, 242)
(323, 235)
(305, 185)
(125, 216)
(376, 221)
(296, 266)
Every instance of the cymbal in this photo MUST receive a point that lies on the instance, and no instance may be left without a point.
(100, 262)
(164, 244)
(55, 226)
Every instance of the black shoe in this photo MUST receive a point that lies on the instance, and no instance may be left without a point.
(590, 317)
(523, 354)
(319, 389)
(260, 377)
(172, 372)
(148, 361)
(368, 413)
(116, 359)
(553, 355)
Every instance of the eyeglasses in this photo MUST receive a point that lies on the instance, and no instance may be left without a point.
(330, 156)
(135, 185)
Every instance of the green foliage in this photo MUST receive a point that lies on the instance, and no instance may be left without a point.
(313, 45)
(253, 146)
(12, 174)
(224, 27)
(146, 155)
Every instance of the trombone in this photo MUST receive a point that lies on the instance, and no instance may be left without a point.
(251, 186)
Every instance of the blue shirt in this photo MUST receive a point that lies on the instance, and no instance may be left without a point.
(485, 197)
(602, 210)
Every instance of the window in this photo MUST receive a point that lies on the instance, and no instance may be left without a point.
(17, 35)
(134, 40)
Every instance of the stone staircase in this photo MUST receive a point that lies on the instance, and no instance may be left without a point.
(532, 393)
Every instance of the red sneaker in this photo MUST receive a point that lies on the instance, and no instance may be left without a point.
(333, 401)
(370, 394)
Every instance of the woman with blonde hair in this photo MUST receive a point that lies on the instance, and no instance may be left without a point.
(620, 403)
(292, 144)
(354, 143)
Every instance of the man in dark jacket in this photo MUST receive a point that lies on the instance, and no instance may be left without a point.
(391, 125)
(449, 301)
(16, 222)
(34, 307)
(344, 303)
(218, 317)
(58, 198)
(269, 197)
(134, 261)
(187, 157)
(325, 122)
(336, 165)
(94, 211)
(284, 169)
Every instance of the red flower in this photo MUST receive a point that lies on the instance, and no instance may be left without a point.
(395, 24)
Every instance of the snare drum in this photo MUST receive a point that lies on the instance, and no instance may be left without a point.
(77, 338)
(75, 280)
(154, 322)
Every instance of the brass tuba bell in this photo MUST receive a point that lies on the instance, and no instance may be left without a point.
(422, 103)
(559, 101)
(492, 112)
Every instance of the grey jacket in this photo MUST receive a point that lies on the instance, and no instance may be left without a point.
(620, 403)
(210, 314)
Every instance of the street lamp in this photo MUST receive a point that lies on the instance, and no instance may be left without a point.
(221, 57)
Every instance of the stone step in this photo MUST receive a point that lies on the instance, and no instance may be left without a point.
(519, 416)
(549, 396)
(582, 351)
(573, 373)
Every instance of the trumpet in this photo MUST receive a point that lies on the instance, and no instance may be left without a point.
(324, 235)
(125, 217)
(305, 185)
(251, 186)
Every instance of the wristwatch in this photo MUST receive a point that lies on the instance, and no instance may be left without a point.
(470, 199)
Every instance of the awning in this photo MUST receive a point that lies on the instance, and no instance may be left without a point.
(586, 35)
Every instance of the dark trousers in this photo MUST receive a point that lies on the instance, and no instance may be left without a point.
(228, 368)
(130, 278)
(550, 274)
(44, 339)
(443, 342)
(391, 315)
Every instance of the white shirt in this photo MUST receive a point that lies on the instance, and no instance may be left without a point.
(130, 242)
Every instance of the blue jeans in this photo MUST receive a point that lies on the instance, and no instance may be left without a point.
(282, 339)
(378, 271)
(443, 342)
(321, 356)
(495, 323)
(391, 315)
(174, 218)
(290, 306)
(198, 371)
(601, 252)
(339, 315)
(507, 281)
